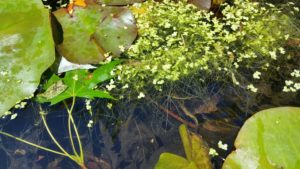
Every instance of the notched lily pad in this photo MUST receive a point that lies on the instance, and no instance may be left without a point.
(95, 30)
(26, 49)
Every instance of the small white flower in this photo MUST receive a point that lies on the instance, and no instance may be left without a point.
(174, 34)
(75, 77)
(285, 89)
(213, 152)
(256, 75)
(297, 86)
(295, 73)
(13, 116)
(288, 82)
(122, 48)
(273, 55)
(222, 146)
(109, 105)
(110, 87)
(90, 123)
(125, 86)
(88, 104)
(286, 37)
(281, 50)
(252, 88)
(141, 95)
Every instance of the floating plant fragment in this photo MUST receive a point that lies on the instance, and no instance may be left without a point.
(91, 32)
(65, 65)
(26, 49)
(268, 140)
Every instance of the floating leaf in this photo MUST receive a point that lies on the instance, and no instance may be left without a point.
(95, 30)
(268, 140)
(168, 161)
(195, 150)
(26, 49)
(80, 83)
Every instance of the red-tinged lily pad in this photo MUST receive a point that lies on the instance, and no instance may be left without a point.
(92, 31)
(117, 31)
(26, 49)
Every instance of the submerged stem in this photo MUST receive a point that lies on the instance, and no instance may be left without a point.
(33, 144)
(69, 125)
(53, 138)
(71, 121)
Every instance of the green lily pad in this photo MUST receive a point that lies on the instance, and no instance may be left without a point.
(91, 32)
(268, 140)
(119, 2)
(26, 49)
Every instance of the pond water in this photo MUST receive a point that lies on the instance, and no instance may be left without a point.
(129, 137)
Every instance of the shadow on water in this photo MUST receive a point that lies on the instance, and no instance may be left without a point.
(134, 142)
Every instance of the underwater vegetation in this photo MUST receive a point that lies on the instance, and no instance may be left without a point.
(188, 60)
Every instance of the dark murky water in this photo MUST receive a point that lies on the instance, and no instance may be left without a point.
(138, 140)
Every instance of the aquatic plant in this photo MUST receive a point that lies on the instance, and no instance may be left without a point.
(75, 84)
(243, 45)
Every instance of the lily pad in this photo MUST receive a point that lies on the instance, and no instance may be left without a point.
(91, 32)
(268, 140)
(26, 49)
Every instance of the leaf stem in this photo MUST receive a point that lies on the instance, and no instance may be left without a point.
(33, 144)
